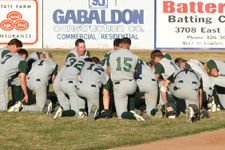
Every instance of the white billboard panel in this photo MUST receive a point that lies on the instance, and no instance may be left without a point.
(189, 24)
(98, 22)
(21, 19)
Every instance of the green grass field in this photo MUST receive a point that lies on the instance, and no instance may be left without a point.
(37, 131)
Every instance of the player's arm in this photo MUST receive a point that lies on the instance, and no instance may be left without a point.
(200, 93)
(24, 86)
(106, 97)
(54, 73)
(163, 90)
(159, 69)
(23, 76)
(108, 65)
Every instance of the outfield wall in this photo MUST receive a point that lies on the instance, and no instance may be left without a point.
(162, 24)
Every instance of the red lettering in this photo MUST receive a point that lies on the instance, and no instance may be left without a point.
(221, 6)
(192, 7)
(200, 8)
(210, 8)
(183, 8)
(168, 7)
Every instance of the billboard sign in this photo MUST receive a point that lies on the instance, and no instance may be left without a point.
(21, 19)
(98, 22)
(189, 24)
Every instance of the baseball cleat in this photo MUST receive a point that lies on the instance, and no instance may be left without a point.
(16, 108)
(172, 117)
(137, 116)
(93, 113)
(189, 114)
(105, 114)
(57, 112)
(47, 109)
(82, 114)
(204, 114)
(159, 113)
(218, 108)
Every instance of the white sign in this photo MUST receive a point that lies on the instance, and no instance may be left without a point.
(189, 24)
(21, 19)
(98, 22)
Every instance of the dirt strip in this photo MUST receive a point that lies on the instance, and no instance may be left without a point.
(210, 140)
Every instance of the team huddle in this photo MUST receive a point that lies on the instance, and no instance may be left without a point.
(86, 86)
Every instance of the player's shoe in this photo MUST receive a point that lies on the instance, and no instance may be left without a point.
(82, 114)
(204, 114)
(57, 112)
(105, 114)
(137, 116)
(159, 113)
(93, 113)
(212, 106)
(218, 108)
(189, 114)
(47, 109)
(172, 117)
(16, 108)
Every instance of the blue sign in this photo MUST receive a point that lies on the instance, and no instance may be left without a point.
(98, 4)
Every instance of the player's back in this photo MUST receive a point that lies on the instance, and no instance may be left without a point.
(94, 74)
(42, 68)
(147, 72)
(169, 67)
(72, 68)
(9, 65)
(221, 66)
(122, 64)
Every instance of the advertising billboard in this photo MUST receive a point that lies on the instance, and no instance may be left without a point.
(189, 24)
(98, 22)
(21, 19)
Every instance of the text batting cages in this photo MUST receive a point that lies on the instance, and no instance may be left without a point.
(189, 24)
(98, 22)
(159, 24)
(23, 20)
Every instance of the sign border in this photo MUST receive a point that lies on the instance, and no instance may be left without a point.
(184, 48)
(37, 21)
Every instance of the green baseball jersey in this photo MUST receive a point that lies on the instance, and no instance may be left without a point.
(103, 63)
(218, 64)
(108, 53)
(3, 52)
(166, 55)
(43, 69)
(122, 63)
(147, 72)
(94, 74)
(73, 53)
(186, 77)
(11, 64)
(33, 57)
(72, 68)
(199, 68)
(165, 68)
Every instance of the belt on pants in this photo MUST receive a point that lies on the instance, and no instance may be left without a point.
(118, 82)
(140, 78)
(36, 79)
(70, 81)
(92, 85)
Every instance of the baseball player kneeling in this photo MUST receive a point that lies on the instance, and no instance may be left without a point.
(69, 78)
(185, 84)
(121, 67)
(92, 77)
(147, 83)
(42, 70)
